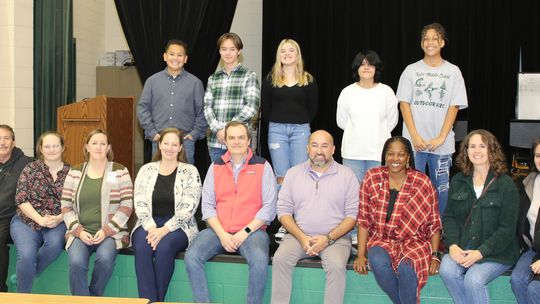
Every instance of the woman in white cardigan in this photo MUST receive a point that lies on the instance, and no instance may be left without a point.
(167, 193)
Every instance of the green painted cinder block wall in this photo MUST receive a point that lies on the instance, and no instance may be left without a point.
(228, 284)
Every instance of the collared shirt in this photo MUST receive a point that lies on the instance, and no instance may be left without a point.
(230, 97)
(168, 101)
(267, 213)
(414, 220)
(318, 203)
(37, 187)
(487, 223)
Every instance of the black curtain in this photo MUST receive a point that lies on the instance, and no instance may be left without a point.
(149, 24)
(484, 41)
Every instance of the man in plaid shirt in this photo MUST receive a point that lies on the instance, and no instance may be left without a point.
(232, 93)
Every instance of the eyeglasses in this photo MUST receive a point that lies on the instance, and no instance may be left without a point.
(51, 147)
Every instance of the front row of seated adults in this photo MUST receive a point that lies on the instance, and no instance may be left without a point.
(320, 201)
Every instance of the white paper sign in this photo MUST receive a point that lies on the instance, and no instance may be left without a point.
(528, 103)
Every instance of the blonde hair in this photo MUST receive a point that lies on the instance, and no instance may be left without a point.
(277, 76)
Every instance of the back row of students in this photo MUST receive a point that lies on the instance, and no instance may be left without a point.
(430, 93)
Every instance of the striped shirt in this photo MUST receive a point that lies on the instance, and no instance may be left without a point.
(414, 220)
(116, 202)
(230, 97)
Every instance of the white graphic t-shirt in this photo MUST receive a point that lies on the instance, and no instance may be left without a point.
(430, 91)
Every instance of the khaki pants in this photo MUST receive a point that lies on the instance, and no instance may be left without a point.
(334, 262)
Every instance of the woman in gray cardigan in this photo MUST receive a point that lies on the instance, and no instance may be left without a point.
(166, 195)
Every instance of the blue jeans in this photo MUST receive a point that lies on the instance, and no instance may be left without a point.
(154, 269)
(360, 167)
(215, 153)
(288, 145)
(400, 286)
(35, 250)
(439, 173)
(207, 244)
(524, 287)
(469, 285)
(188, 146)
(79, 256)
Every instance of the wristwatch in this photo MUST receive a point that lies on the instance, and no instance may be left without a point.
(247, 230)
(436, 254)
(330, 239)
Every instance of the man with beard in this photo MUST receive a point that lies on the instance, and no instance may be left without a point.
(317, 204)
(12, 162)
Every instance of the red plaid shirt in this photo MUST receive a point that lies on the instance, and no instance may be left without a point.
(415, 219)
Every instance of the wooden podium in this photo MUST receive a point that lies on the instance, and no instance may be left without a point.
(112, 114)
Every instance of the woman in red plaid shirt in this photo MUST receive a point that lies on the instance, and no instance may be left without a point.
(399, 226)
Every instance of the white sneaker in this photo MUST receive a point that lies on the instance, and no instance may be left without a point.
(280, 234)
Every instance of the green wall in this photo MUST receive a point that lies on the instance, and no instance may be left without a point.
(228, 282)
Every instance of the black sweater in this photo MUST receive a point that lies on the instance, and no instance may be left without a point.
(294, 105)
(9, 175)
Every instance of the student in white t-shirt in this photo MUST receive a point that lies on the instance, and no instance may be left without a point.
(431, 91)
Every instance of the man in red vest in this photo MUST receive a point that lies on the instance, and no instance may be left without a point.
(238, 201)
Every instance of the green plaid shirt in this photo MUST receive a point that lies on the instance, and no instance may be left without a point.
(230, 97)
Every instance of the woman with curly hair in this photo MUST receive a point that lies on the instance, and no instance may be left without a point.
(479, 223)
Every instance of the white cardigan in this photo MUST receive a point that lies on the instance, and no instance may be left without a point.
(187, 194)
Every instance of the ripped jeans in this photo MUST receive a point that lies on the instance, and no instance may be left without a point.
(439, 173)
(288, 145)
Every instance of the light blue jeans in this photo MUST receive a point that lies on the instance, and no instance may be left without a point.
(400, 286)
(288, 145)
(469, 285)
(189, 149)
(207, 244)
(439, 173)
(35, 250)
(525, 288)
(79, 256)
(360, 167)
